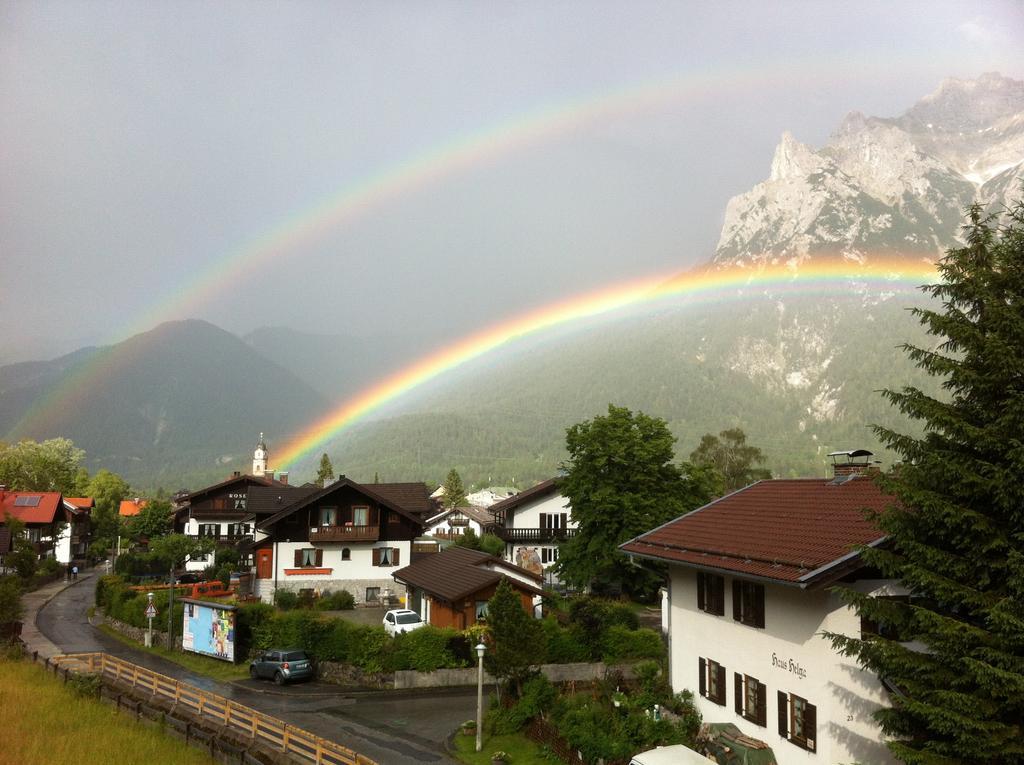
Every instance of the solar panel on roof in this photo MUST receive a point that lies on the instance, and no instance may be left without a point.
(29, 501)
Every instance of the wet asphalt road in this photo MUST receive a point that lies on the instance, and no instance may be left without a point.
(393, 728)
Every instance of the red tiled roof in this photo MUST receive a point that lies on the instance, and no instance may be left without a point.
(130, 507)
(81, 503)
(43, 511)
(784, 529)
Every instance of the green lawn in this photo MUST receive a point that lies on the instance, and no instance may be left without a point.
(522, 750)
(201, 665)
(46, 723)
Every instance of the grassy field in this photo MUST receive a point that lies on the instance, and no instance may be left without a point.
(520, 749)
(46, 723)
(201, 665)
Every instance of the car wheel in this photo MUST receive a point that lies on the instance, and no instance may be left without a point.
(253, 673)
(279, 678)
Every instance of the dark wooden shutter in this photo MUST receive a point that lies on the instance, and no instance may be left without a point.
(394, 553)
(783, 715)
(700, 591)
(718, 586)
(298, 558)
(736, 600)
(721, 684)
(373, 516)
(376, 556)
(738, 691)
(564, 521)
(543, 520)
(319, 558)
(702, 682)
(759, 606)
(811, 725)
(761, 713)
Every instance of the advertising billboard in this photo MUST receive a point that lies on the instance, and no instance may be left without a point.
(209, 629)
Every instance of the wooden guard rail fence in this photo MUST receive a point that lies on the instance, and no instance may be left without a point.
(262, 728)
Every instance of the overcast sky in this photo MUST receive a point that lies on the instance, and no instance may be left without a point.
(143, 142)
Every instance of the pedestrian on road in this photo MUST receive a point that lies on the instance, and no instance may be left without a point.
(74, 573)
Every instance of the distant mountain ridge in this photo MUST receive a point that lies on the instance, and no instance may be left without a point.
(185, 401)
(885, 185)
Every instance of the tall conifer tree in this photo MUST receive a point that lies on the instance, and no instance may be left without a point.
(954, 654)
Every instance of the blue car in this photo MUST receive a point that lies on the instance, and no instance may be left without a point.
(282, 666)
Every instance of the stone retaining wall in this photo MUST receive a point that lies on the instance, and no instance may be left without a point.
(138, 634)
(556, 673)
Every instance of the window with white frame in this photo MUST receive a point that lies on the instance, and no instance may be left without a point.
(711, 680)
(751, 699)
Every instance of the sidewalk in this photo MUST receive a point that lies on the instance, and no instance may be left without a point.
(33, 602)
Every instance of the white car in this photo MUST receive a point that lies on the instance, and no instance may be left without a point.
(402, 620)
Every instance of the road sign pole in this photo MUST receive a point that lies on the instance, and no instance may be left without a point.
(150, 613)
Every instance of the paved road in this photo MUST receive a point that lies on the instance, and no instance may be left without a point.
(395, 728)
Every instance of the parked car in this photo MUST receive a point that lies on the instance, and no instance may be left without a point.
(190, 577)
(282, 666)
(402, 620)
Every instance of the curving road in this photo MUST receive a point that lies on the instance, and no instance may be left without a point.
(393, 728)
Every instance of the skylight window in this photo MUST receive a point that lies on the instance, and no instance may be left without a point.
(31, 500)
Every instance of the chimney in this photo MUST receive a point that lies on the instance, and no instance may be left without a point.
(283, 477)
(851, 463)
(237, 474)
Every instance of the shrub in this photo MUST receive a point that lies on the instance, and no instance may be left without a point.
(562, 644)
(86, 685)
(10, 600)
(49, 566)
(250, 619)
(620, 643)
(538, 696)
(425, 649)
(343, 600)
(286, 600)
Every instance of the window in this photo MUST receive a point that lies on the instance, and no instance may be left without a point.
(360, 516)
(385, 556)
(346, 554)
(209, 530)
(372, 594)
(238, 529)
(328, 516)
(309, 557)
(751, 699)
(798, 720)
(553, 521)
(748, 602)
(711, 593)
(711, 681)
(481, 610)
(548, 554)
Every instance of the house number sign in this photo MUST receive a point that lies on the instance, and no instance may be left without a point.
(790, 665)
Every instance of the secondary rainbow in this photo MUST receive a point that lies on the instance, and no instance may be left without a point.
(830, 277)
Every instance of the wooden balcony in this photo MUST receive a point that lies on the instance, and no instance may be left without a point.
(531, 535)
(346, 533)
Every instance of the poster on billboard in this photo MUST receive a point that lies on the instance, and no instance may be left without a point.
(208, 628)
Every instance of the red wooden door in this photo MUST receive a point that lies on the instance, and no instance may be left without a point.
(265, 564)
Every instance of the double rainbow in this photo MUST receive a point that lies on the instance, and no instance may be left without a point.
(884, 273)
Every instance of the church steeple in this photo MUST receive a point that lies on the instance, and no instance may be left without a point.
(259, 458)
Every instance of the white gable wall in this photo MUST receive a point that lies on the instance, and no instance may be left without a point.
(787, 655)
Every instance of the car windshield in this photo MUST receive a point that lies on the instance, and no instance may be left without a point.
(408, 618)
(294, 656)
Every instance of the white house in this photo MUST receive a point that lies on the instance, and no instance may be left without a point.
(749, 578)
(532, 524)
(448, 524)
(345, 536)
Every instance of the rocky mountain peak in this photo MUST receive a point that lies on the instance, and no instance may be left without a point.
(885, 185)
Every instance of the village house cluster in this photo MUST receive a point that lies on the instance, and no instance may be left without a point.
(744, 610)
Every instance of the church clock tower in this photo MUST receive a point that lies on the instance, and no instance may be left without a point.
(259, 458)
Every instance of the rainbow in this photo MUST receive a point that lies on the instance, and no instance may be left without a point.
(430, 167)
(884, 273)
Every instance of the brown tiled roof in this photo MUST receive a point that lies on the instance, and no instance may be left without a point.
(458, 572)
(368, 490)
(790, 530)
(541, 490)
(412, 497)
(244, 478)
(267, 500)
(481, 515)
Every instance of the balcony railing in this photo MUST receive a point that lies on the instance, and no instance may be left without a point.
(346, 533)
(531, 535)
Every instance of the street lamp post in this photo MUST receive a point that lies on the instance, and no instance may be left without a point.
(480, 649)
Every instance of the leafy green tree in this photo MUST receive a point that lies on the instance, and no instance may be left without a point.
(454, 491)
(517, 639)
(731, 457)
(955, 651)
(154, 520)
(23, 557)
(174, 550)
(48, 466)
(107, 490)
(326, 471)
(492, 544)
(11, 609)
(621, 481)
